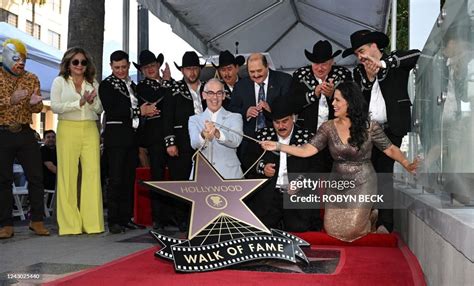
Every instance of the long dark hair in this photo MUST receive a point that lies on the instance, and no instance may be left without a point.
(89, 74)
(357, 112)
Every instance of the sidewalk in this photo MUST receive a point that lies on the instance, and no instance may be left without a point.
(43, 259)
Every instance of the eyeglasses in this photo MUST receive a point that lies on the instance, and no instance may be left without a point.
(76, 62)
(219, 93)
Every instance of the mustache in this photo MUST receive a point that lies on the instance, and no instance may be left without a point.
(282, 129)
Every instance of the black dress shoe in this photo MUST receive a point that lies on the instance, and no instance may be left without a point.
(116, 228)
(132, 225)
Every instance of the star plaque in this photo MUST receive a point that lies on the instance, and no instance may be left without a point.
(211, 197)
(223, 231)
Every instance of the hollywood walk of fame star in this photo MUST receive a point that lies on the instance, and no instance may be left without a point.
(212, 196)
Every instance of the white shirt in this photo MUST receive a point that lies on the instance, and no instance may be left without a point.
(133, 101)
(196, 99)
(257, 88)
(377, 108)
(282, 180)
(65, 100)
(323, 109)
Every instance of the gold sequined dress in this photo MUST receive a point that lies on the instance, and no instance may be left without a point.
(352, 220)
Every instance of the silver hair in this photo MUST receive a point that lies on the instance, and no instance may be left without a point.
(213, 80)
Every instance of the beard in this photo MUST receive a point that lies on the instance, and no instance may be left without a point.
(192, 79)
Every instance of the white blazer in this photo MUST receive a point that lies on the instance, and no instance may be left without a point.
(221, 153)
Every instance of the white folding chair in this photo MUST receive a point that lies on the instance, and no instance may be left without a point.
(19, 193)
(48, 208)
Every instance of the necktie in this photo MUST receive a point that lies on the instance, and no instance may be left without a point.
(261, 97)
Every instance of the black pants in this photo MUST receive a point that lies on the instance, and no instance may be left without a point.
(25, 148)
(383, 164)
(267, 205)
(162, 206)
(180, 170)
(122, 163)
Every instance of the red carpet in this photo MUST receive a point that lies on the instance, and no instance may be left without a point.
(374, 240)
(360, 265)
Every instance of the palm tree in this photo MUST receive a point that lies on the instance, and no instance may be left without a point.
(33, 9)
(86, 28)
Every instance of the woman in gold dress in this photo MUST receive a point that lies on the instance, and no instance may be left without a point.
(349, 137)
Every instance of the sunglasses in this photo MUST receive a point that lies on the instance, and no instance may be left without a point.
(76, 62)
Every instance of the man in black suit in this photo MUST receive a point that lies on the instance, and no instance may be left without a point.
(122, 112)
(267, 203)
(253, 95)
(183, 102)
(383, 79)
(313, 90)
(228, 69)
(151, 90)
(313, 86)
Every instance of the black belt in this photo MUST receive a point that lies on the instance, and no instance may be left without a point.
(14, 128)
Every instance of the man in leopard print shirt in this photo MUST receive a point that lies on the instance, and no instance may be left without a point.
(19, 98)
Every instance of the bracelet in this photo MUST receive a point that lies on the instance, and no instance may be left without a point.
(278, 146)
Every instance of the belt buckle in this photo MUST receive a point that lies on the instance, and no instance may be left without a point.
(14, 128)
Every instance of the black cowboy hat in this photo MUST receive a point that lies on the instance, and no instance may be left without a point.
(322, 51)
(190, 59)
(227, 58)
(147, 57)
(281, 107)
(363, 37)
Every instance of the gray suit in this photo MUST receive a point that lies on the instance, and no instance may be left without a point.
(221, 153)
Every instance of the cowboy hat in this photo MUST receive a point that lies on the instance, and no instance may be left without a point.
(226, 58)
(190, 59)
(146, 57)
(363, 37)
(322, 51)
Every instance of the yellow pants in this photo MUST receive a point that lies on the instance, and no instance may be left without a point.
(79, 140)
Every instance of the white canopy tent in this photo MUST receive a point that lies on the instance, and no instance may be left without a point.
(283, 28)
(43, 60)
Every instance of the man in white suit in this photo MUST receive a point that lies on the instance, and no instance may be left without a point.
(219, 145)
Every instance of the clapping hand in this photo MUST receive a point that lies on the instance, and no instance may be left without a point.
(327, 88)
(89, 96)
(318, 90)
(166, 73)
(35, 97)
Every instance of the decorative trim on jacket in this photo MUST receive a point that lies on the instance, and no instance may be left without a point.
(306, 76)
(300, 136)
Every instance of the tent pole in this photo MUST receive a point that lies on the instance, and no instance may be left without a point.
(142, 32)
(126, 26)
(393, 37)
